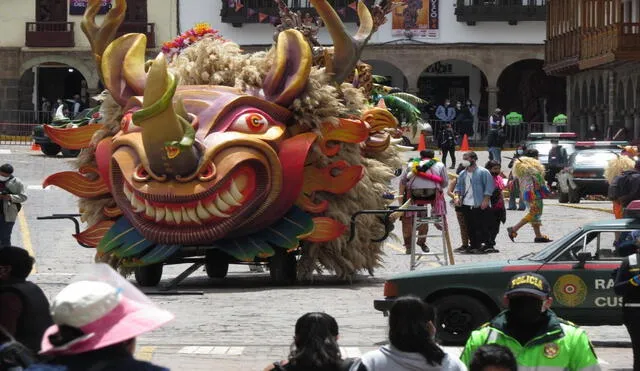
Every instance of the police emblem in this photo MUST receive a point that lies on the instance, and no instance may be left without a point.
(570, 290)
(551, 350)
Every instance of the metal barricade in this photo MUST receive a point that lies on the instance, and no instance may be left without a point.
(16, 126)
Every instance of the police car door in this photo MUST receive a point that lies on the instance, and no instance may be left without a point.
(581, 279)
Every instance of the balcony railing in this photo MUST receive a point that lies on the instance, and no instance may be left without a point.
(49, 34)
(612, 43)
(148, 29)
(562, 53)
(252, 9)
(512, 11)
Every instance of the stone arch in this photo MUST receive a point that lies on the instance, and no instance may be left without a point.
(384, 68)
(592, 93)
(601, 97)
(526, 88)
(620, 101)
(637, 104)
(88, 73)
(629, 101)
(456, 79)
(576, 97)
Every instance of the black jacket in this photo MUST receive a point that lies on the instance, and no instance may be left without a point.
(35, 317)
(623, 286)
(495, 138)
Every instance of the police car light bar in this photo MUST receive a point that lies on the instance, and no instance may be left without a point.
(552, 135)
(602, 144)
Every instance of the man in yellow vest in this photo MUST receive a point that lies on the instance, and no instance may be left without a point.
(539, 339)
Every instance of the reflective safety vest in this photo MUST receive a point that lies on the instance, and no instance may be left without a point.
(561, 346)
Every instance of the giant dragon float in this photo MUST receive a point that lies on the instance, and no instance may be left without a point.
(212, 154)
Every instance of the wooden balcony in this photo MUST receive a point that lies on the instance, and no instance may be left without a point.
(148, 29)
(268, 7)
(562, 53)
(49, 34)
(610, 44)
(512, 11)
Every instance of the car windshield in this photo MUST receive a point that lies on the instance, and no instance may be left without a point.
(544, 147)
(594, 158)
(550, 250)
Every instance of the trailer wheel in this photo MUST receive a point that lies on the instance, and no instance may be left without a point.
(70, 152)
(149, 275)
(50, 149)
(216, 264)
(282, 268)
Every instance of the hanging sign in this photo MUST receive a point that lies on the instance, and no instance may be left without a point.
(416, 19)
(77, 7)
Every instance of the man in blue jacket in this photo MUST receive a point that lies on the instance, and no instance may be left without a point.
(473, 193)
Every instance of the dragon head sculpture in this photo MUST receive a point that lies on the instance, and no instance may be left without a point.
(215, 149)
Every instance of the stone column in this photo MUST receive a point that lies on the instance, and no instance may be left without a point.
(636, 125)
(493, 98)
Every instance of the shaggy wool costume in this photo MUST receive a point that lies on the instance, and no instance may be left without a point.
(319, 109)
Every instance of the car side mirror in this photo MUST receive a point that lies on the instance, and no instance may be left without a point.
(583, 257)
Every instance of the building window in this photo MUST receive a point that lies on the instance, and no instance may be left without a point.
(51, 10)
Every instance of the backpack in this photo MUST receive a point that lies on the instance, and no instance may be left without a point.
(13, 354)
(622, 185)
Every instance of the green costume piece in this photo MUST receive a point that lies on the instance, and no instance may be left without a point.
(559, 346)
(561, 119)
(514, 119)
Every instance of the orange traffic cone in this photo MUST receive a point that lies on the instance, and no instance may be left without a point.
(35, 146)
(465, 143)
(422, 144)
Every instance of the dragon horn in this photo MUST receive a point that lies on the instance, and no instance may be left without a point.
(347, 49)
(100, 37)
(167, 138)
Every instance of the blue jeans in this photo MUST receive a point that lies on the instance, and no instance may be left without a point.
(5, 232)
(515, 192)
(495, 154)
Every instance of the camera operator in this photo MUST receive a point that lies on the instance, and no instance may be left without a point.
(11, 198)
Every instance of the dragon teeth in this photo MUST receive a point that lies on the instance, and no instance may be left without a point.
(160, 211)
(213, 210)
(202, 213)
(221, 205)
(228, 198)
(235, 192)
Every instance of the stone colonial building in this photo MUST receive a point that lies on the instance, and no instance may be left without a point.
(44, 54)
(596, 45)
(491, 51)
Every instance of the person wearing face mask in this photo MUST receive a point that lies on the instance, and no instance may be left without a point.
(497, 214)
(513, 184)
(464, 120)
(11, 198)
(472, 194)
(533, 332)
(445, 113)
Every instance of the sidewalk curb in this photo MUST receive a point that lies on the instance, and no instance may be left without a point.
(611, 344)
(602, 209)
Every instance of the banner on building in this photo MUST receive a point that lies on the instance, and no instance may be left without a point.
(77, 7)
(416, 19)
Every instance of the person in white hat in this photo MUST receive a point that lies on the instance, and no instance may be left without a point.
(96, 325)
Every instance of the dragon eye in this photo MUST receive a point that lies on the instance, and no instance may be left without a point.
(251, 123)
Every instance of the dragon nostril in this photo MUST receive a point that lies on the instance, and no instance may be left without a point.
(208, 173)
(141, 174)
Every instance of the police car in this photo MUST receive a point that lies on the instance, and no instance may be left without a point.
(584, 174)
(542, 143)
(579, 267)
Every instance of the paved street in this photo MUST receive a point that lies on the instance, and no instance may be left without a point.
(243, 322)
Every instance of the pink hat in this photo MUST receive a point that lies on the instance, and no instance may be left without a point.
(103, 314)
